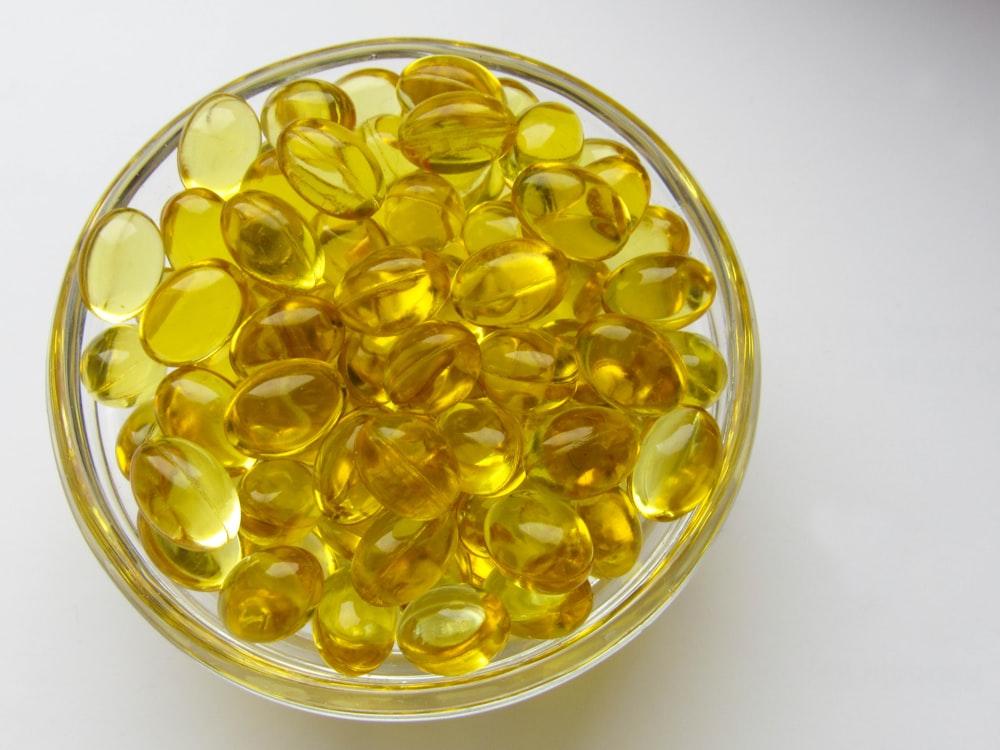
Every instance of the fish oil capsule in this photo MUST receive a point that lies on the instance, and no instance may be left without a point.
(594, 149)
(219, 363)
(422, 210)
(476, 186)
(353, 636)
(327, 557)
(539, 541)
(220, 140)
(629, 179)
(265, 176)
(139, 426)
(373, 91)
(339, 490)
(672, 290)
(201, 570)
(277, 502)
(381, 135)
(432, 367)
(407, 464)
(571, 209)
(630, 364)
(399, 558)
(704, 367)
(284, 407)
(518, 96)
(490, 222)
(305, 99)
(582, 299)
(193, 312)
(440, 74)
(582, 451)
(615, 530)
(510, 282)
(362, 367)
(527, 370)
(470, 519)
(185, 493)
(453, 630)
(120, 265)
(548, 132)
(487, 444)
(191, 222)
(392, 289)
(679, 463)
(537, 615)
(344, 242)
(659, 231)
(331, 167)
(270, 594)
(343, 538)
(115, 369)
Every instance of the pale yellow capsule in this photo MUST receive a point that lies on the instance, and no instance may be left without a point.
(192, 227)
(432, 366)
(615, 529)
(439, 74)
(381, 135)
(518, 96)
(537, 615)
(672, 290)
(139, 426)
(277, 502)
(219, 142)
(303, 99)
(266, 176)
(526, 370)
(548, 131)
(478, 185)
(201, 570)
(660, 230)
(490, 222)
(344, 242)
(116, 370)
(704, 367)
(487, 444)
(629, 179)
(421, 210)
(373, 91)
(343, 496)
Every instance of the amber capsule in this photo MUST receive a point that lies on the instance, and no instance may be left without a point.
(548, 132)
(615, 529)
(672, 290)
(120, 265)
(478, 185)
(353, 636)
(303, 99)
(344, 242)
(339, 490)
(362, 367)
(659, 230)
(598, 148)
(432, 366)
(490, 222)
(518, 96)
(487, 444)
(277, 502)
(342, 538)
(537, 615)
(330, 561)
(582, 299)
(219, 141)
(201, 570)
(139, 426)
(629, 179)
(704, 367)
(422, 210)
(527, 370)
(115, 368)
(399, 558)
(270, 594)
(439, 74)
(265, 175)
(191, 223)
(381, 135)
(470, 519)
(373, 91)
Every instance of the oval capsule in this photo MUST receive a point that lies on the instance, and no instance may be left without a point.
(672, 290)
(490, 222)
(704, 367)
(139, 426)
(116, 370)
(219, 142)
(343, 496)
(432, 366)
(277, 502)
(373, 92)
(381, 135)
(582, 299)
(265, 176)
(629, 179)
(422, 210)
(659, 231)
(305, 99)
(440, 74)
(362, 367)
(527, 370)
(518, 96)
(191, 222)
(487, 444)
(537, 615)
(344, 242)
(548, 132)
(615, 530)
(200, 570)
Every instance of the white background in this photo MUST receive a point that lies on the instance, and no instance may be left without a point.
(851, 148)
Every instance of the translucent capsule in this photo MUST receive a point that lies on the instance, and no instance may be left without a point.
(185, 494)
(344, 242)
(422, 210)
(537, 615)
(343, 538)
(672, 290)
(659, 231)
(615, 530)
(392, 289)
(265, 176)
(440, 74)
(518, 96)
(331, 167)
(487, 444)
(120, 265)
(201, 570)
(548, 132)
(381, 135)
(582, 451)
(510, 282)
(193, 312)
(362, 367)
(219, 363)
(330, 561)
(342, 495)
(539, 541)
(399, 558)
(582, 299)
(628, 178)
(270, 594)
(630, 364)
(220, 140)
(679, 463)
(470, 519)
(490, 222)
(115, 368)
(478, 185)
(373, 91)
(407, 464)
(527, 370)
(432, 366)
(571, 209)
(139, 426)
(191, 222)
(284, 407)
(277, 502)
(453, 630)
(353, 636)
(704, 366)
(305, 99)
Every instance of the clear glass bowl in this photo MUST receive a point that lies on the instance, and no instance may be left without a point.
(291, 671)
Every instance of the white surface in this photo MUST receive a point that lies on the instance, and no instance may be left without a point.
(852, 150)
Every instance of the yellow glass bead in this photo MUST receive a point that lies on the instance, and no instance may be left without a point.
(478, 185)
(305, 99)
(527, 370)
(537, 615)
(116, 370)
(381, 135)
(487, 444)
(120, 265)
(490, 222)
(265, 176)
(439, 74)
(139, 426)
(362, 367)
(704, 366)
(453, 630)
(344, 242)
(185, 493)
(629, 179)
(422, 210)
(219, 142)
(659, 231)
(373, 91)
(679, 463)
(615, 530)
(191, 222)
(672, 290)
(270, 594)
(518, 96)
(345, 499)
(201, 570)
(582, 299)
(548, 132)
(432, 366)
(277, 502)
(353, 636)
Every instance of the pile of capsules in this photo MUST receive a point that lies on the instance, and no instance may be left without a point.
(384, 383)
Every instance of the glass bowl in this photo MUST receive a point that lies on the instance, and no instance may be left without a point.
(291, 671)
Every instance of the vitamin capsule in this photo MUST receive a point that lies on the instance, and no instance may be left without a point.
(659, 231)
(265, 176)
(201, 570)
(487, 444)
(407, 465)
(490, 222)
(185, 494)
(139, 426)
(331, 167)
(381, 135)
(373, 91)
(219, 363)
(630, 364)
(391, 290)
(582, 299)
(571, 209)
(432, 366)
(679, 463)
(470, 519)
(704, 367)
(277, 502)
(510, 283)
(339, 490)
(539, 541)
(673, 290)
(120, 265)
(220, 140)
(305, 99)
(527, 370)
(284, 407)
(399, 558)
(191, 222)
(115, 369)
(615, 530)
(440, 74)
(548, 132)
(362, 367)
(582, 451)
(270, 594)
(478, 185)
(343, 539)
(518, 96)
(422, 210)
(193, 312)
(453, 630)
(353, 636)
(344, 242)
(328, 558)
(537, 615)
(629, 179)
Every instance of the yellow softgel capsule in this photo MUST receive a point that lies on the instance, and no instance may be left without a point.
(344, 242)
(615, 530)
(582, 451)
(193, 312)
(432, 367)
(453, 630)
(343, 538)
(704, 367)
(548, 132)
(116, 370)
(270, 594)
(397, 559)
(490, 222)
(277, 503)
(284, 407)
(510, 282)
(659, 230)
(572, 209)
(527, 370)
(598, 148)
(422, 210)
(407, 464)
(139, 426)
(185, 493)
(629, 179)
(487, 444)
(353, 636)
(440, 74)
(191, 222)
(373, 91)
(120, 265)
(344, 498)
(265, 176)
(539, 541)
(381, 135)
(219, 142)
(201, 570)
(672, 290)
(362, 367)
(582, 299)
(478, 185)
(679, 463)
(537, 615)
(391, 290)
(518, 96)
(305, 99)
(330, 561)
